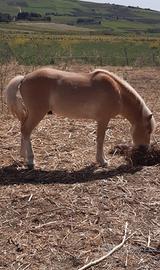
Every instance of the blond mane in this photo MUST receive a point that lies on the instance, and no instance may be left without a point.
(128, 88)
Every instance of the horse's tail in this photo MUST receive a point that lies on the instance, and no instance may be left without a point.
(15, 103)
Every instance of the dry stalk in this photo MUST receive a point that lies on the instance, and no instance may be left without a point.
(149, 239)
(109, 253)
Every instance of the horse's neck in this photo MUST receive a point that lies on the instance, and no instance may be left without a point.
(132, 106)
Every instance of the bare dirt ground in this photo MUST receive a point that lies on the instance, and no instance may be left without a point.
(69, 211)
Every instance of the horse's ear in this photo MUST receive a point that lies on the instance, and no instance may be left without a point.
(149, 117)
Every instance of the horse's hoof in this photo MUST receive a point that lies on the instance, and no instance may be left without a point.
(102, 163)
(30, 166)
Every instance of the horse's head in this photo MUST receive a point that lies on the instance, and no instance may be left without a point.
(142, 130)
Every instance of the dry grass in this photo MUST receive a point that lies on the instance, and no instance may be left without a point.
(142, 155)
(68, 211)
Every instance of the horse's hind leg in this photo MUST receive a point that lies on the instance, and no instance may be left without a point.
(23, 149)
(26, 150)
(101, 129)
(27, 127)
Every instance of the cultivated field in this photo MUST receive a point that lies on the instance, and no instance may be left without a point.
(68, 211)
(104, 18)
(43, 48)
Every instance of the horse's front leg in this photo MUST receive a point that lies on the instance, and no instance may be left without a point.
(101, 129)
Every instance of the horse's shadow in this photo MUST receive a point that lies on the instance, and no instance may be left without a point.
(10, 175)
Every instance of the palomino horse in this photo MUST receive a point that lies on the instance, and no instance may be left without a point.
(99, 95)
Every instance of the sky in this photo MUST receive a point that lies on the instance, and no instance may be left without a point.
(152, 4)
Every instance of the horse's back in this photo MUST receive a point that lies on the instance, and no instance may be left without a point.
(77, 95)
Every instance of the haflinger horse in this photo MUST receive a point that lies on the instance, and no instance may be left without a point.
(99, 95)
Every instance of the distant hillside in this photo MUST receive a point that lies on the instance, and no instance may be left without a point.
(104, 17)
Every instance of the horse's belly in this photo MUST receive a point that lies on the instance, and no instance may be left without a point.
(88, 106)
(87, 111)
